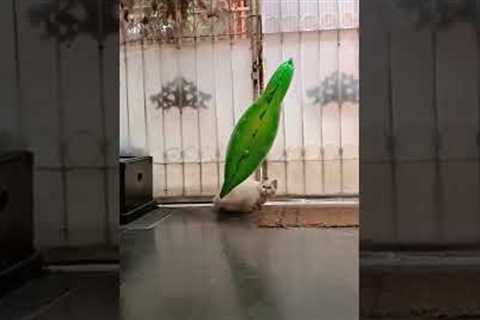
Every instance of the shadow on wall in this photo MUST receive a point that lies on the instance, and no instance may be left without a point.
(64, 20)
(440, 13)
(336, 87)
(180, 93)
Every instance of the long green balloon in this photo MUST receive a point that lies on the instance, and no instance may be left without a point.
(255, 131)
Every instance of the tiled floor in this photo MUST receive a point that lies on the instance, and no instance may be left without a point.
(420, 285)
(64, 296)
(194, 264)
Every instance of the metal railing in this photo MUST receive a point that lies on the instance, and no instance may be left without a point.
(181, 99)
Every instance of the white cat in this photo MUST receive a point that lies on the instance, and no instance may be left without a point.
(246, 197)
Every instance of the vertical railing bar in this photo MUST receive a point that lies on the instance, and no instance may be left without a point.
(199, 130)
(391, 136)
(438, 197)
(231, 30)
(357, 147)
(21, 140)
(357, 14)
(61, 133)
(256, 39)
(145, 110)
(302, 107)
(179, 90)
(322, 144)
(354, 158)
(477, 33)
(103, 115)
(340, 99)
(164, 136)
(125, 62)
(217, 150)
(284, 127)
(182, 151)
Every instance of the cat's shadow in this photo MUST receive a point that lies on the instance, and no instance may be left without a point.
(235, 217)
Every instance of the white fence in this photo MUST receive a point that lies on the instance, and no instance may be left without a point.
(58, 96)
(316, 152)
(187, 139)
(420, 129)
(180, 104)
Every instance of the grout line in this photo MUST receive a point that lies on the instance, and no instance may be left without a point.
(94, 267)
(48, 306)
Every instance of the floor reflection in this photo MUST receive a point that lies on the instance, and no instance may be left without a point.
(197, 265)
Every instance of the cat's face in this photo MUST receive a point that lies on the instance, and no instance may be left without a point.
(269, 188)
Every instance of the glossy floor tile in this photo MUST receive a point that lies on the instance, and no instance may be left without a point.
(197, 265)
(64, 296)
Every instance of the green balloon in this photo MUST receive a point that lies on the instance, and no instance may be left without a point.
(255, 131)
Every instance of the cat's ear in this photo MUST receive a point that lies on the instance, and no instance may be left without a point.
(274, 183)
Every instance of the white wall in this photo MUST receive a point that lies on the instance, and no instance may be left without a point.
(59, 107)
(423, 92)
